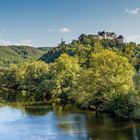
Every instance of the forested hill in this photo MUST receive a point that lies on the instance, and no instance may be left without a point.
(99, 76)
(46, 49)
(86, 44)
(15, 54)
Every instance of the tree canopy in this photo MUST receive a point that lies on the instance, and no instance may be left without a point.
(90, 73)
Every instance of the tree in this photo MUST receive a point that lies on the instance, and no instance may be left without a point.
(132, 52)
(64, 73)
(35, 75)
(8, 77)
(109, 74)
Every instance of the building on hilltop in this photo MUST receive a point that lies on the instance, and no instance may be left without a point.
(107, 35)
(110, 36)
(120, 39)
(102, 36)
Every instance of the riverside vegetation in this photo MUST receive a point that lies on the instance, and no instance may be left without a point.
(100, 75)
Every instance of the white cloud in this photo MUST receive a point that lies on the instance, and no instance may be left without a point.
(26, 42)
(133, 38)
(65, 30)
(4, 42)
(23, 42)
(62, 30)
(133, 11)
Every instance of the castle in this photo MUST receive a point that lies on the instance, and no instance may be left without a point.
(110, 36)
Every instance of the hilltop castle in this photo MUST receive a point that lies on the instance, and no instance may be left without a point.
(110, 36)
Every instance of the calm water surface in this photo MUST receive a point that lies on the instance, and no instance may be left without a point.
(45, 123)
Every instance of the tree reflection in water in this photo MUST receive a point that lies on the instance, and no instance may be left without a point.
(53, 123)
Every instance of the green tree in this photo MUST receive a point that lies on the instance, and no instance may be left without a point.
(64, 72)
(36, 74)
(8, 77)
(109, 74)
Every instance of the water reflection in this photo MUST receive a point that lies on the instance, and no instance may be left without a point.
(37, 111)
(72, 125)
(47, 123)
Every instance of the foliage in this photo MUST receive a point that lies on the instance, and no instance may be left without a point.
(64, 72)
(124, 105)
(109, 74)
(86, 44)
(17, 54)
(91, 73)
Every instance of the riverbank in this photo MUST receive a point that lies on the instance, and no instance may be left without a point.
(118, 107)
(66, 107)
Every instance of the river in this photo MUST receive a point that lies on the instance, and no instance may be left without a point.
(47, 123)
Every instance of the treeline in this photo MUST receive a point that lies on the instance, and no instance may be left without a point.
(97, 75)
(87, 44)
(17, 54)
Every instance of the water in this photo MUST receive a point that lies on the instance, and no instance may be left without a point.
(46, 123)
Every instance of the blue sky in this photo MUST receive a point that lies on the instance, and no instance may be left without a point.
(45, 22)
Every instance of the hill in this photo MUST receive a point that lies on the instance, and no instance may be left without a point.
(16, 54)
(45, 48)
(86, 44)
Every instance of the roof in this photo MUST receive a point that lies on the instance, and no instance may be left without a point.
(101, 33)
(120, 37)
(107, 33)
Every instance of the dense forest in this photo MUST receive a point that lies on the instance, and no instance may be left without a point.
(17, 54)
(99, 75)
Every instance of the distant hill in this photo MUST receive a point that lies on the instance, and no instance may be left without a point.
(15, 54)
(85, 45)
(45, 48)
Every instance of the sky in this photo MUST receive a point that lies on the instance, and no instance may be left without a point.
(42, 23)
